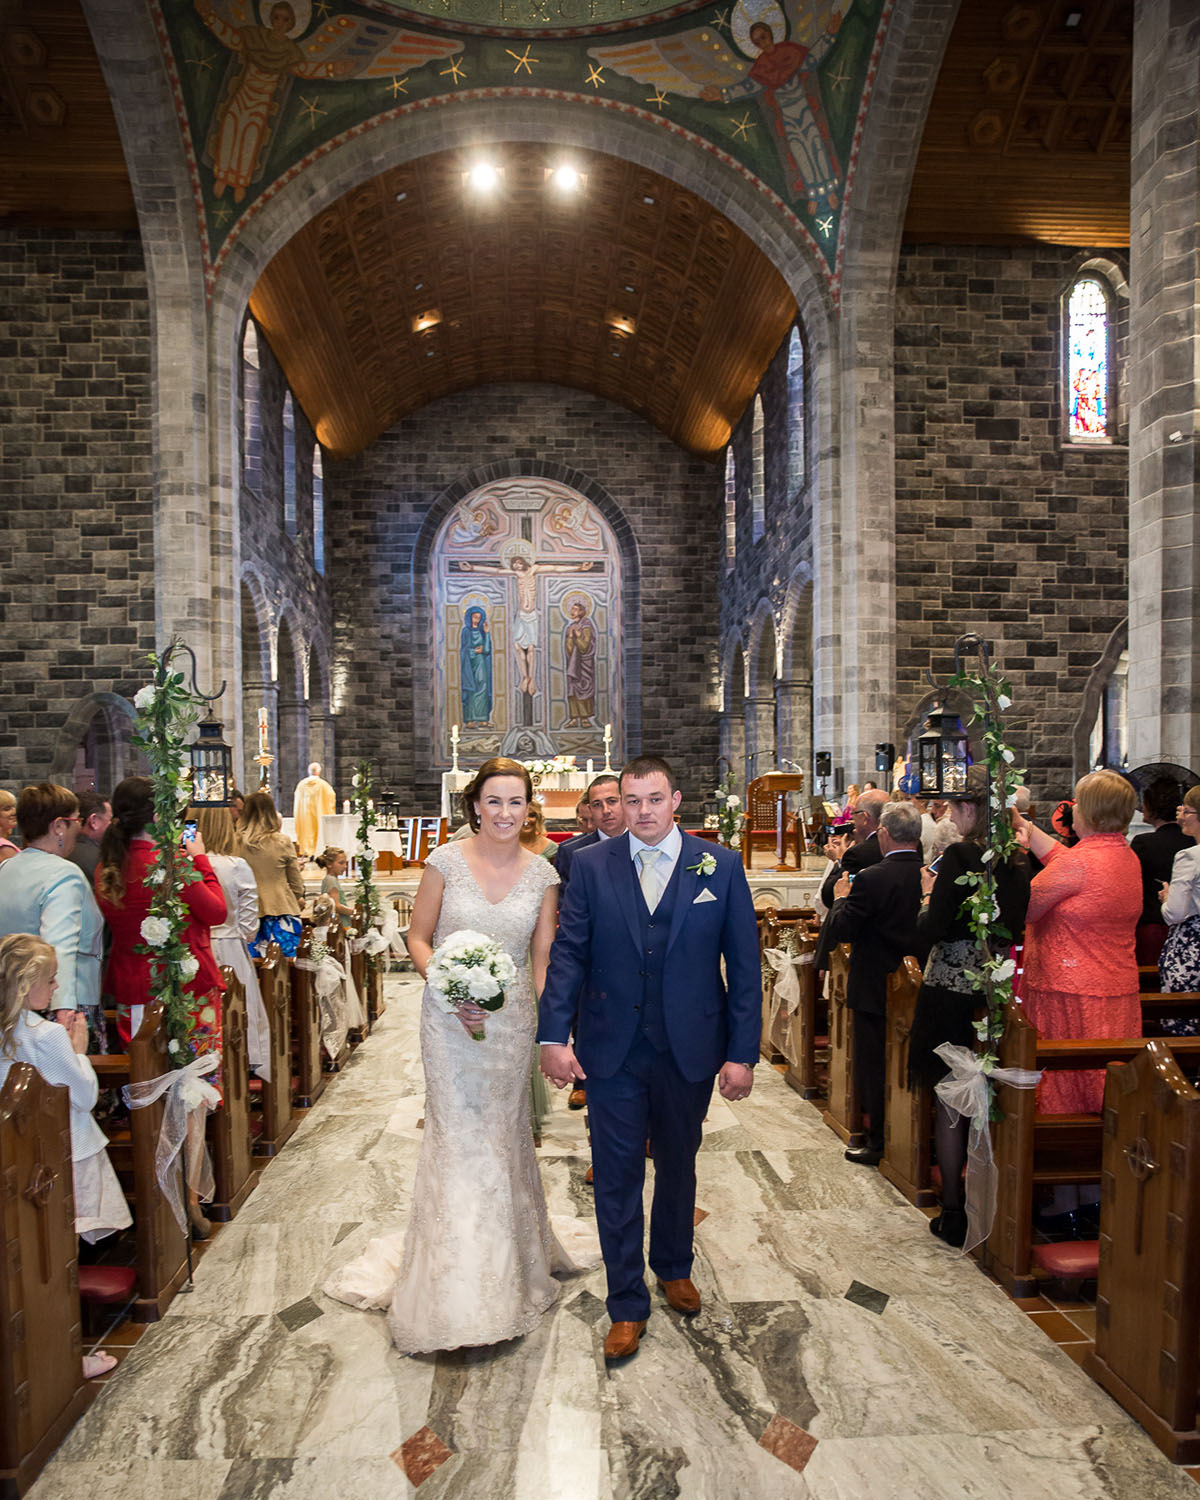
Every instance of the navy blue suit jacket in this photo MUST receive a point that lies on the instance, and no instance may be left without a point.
(567, 851)
(595, 981)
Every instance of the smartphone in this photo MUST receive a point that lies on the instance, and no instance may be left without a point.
(932, 867)
(189, 831)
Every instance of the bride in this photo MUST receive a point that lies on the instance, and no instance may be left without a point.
(479, 1252)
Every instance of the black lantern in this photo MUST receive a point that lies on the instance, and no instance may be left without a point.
(942, 755)
(212, 765)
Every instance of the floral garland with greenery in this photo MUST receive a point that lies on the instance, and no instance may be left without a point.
(368, 891)
(166, 712)
(730, 818)
(990, 695)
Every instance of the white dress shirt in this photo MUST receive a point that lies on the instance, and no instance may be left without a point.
(669, 850)
(45, 1045)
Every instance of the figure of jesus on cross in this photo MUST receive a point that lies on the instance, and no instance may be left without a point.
(516, 559)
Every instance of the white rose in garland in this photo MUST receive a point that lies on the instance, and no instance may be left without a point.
(144, 697)
(156, 931)
(189, 967)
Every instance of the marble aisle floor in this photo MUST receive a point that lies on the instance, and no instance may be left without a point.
(842, 1352)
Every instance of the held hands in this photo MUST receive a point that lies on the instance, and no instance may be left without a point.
(74, 1023)
(842, 888)
(735, 1081)
(1164, 890)
(927, 880)
(560, 1065)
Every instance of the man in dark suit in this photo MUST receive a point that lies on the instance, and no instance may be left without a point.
(608, 822)
(636, 970)
(1156, 853)
(864, 851)
(875, 911)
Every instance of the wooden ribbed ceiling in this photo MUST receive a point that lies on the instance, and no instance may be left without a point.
(630, 287)
(1028, 130)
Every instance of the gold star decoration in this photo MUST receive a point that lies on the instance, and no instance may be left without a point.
(721, 20)
(841, 78)
(322, 8)
(523, 59)
(203, 62)
(825, 225)
(454, 71)
(221, 214)
(658, 99)
(398, 86)
(312, 109)
(595, 75)
(743, 127)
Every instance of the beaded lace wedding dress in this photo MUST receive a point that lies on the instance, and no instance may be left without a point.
(477, 1262)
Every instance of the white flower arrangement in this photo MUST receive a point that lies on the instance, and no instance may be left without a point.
(156, 931)
(470, 968)
(144, 697)
(189, 967)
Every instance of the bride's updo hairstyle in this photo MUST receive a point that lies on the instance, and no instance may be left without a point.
(499, 765)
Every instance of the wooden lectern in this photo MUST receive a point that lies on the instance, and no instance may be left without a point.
(766, 815)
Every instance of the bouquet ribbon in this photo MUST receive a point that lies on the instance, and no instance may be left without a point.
(189, 1098)
(965, 1095)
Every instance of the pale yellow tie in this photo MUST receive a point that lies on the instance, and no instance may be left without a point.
(647, 860)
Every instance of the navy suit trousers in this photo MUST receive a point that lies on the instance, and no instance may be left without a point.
(647, 1098)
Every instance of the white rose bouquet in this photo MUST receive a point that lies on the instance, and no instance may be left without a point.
(470, 968)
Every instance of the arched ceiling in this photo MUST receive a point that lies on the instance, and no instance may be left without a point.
(416, 284)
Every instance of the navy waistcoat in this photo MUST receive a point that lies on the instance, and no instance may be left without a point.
(655, 929)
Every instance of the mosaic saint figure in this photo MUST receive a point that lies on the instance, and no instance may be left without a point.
(270, 56)
(579, 650)
(526, 633)
(475, 669)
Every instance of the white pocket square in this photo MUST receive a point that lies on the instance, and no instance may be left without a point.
(705, 895)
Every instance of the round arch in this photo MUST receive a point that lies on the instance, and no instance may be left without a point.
(100, 728)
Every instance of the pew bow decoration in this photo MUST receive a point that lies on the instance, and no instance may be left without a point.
(785, 993)
(382, 935)
(189, 1098)
(967, 1094)
(337, 995)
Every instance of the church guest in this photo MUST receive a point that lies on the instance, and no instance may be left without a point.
(28, 979)
(583, 815)
(313, 799)
(42, 892)
(95, 814)
(876, 914)
(277, 873)
(335, 864)
(1179, 965)
(857, 855)
(1156, 853)
(237, 800)
(949, 1002)
(229, 938)
(1081, 977)
(8, 822)
(533, 834)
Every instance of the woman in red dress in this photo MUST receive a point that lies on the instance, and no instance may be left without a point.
(126, 856)
(1081, 976)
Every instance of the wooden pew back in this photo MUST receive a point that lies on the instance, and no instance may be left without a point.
(42, 1391)
(843, 1113)
(908, 1113)
(275, 984)
(229, 1126)
(306, 1028)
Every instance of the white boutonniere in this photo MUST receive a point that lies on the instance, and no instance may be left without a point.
(705, 865)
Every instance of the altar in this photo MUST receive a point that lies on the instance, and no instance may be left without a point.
(557, 791)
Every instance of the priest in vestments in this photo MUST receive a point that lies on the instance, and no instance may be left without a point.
(313, 798)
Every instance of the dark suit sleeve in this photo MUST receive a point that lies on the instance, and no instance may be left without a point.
(743, 972)
(827, 885)
(562, 863)
(940, 917)
(849, 916)
(570, 959)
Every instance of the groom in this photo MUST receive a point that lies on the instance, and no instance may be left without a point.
(635, 972)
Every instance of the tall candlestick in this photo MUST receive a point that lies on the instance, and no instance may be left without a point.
(589, 765)
(262, 731)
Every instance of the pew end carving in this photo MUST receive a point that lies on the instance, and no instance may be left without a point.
(229, 1126)
(278, 1122)
(908, 1113)
(843, 1113)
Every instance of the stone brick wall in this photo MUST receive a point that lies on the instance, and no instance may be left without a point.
(1001, 528)
(77, 560)
(377, 502)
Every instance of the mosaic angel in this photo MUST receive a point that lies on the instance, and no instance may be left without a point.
(271, 56)
(760, 60)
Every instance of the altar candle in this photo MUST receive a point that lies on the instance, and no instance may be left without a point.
(608, 731)
(454, 734)
(589, 765)
(345, 804)
(262, 731)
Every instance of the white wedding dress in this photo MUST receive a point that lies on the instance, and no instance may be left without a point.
(477, 1262)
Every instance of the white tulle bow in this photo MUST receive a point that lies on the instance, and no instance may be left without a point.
(965, 1095)
(189, 1098)
(785, 996)
(384, 934)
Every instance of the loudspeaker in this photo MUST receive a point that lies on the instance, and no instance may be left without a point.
(885, 757)
(824, 762)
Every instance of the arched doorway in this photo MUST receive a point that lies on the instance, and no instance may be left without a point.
(258, 681)
(762, 734)
(94, 749)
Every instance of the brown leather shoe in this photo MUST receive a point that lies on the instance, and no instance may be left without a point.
(588, 1177)
(622, 1339)
(577, 1099)
(681, 1294)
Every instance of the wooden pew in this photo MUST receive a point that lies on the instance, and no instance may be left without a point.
(339, 948)
(1033, 1150)
(229, 1134)
(843, 1113)
(42, 1390)
(358, 973)
(908, 1117)
(306, 1029)
(278, 1122)
(768, 937)
(1147, 1352)
(161, 1245)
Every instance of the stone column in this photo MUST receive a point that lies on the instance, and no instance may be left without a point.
(1164, 382)
(760, 737)
(321, 741)
(735, 741)
(794, 715)
(291, 761)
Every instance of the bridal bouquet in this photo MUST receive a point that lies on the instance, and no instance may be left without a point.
(470, 968)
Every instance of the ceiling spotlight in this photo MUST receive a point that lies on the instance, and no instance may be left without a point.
(418, 286)
(483, 177)
(648, 200)
(424, 321)
(400, 197)
(623, 327)
(1073, 19)
(566, 178)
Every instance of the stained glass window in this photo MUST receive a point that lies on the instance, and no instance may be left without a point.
(1088, 362)
(730, 507)
(289, 466)
(251, 431)
(318, 492)
(797, 457)
(758, 488)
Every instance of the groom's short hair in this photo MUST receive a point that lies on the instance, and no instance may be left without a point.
(649, 765)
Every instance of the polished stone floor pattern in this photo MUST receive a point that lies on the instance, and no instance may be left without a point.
(842, 1353)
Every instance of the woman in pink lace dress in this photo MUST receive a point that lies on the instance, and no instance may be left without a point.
(1081, 977)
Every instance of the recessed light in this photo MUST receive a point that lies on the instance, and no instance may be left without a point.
(565, 178)
(424, 322)
(418, 286)
(622, 326)
(1073, 19)
(648, 200)
(429, 353)
(483, 177)
(400, 197)
(630, 290)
